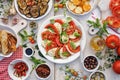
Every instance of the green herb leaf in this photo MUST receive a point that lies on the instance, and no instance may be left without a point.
(76, 34)
(40, 54)
(24, 38)
(72, 44)
(68, 19)
(65, 25)
(65, 54)
(52, 21)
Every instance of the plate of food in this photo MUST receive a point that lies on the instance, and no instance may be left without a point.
(19, 69)
(9, 39)
(80, 7)
(61, 39)
(33, 9)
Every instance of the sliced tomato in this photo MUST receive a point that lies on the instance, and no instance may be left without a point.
(48, 35)
(59, 21)
(52, 27)
(57, 55)
(58, 41)
(71, 28)
(73, 50)
(116, 11)
(113, 21)
(113, 4)
(50, 46)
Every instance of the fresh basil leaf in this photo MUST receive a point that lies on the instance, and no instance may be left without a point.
(65, 25)
(65, 54)
(68, 19)
(76, 34)
(72, 44)
(52, 21)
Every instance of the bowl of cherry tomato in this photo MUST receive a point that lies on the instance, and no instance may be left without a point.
(18, 69)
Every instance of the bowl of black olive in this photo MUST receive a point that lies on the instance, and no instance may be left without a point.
(43, 71)
(91, 63)
(97, 75)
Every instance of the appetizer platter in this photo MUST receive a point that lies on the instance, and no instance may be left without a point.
(60, 39)
(63, 45)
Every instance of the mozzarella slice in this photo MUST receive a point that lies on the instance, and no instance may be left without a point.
(77, 43)
(52, 51)
(61, 55)
(58, 26)
(45, 42)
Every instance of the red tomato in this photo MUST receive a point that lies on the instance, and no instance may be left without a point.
(71, 28)
(116, 67)
(52, 27)
(116, 11)
(73, 50)
(118, 51)
(50, 46)
(48, 35)
(58, 41)
(112, 41)
(113, 21)
(114, 3)
(59, 21)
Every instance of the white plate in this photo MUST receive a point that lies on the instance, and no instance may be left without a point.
(50, 3)
(92, 3)
(11, 70)
(69, 59)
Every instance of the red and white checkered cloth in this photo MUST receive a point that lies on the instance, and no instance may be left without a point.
(5, 62)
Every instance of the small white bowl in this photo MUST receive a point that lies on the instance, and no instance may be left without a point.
(92, 3)
(11, 70)
(95, 72)
(41, 77)
(91, 70)
(26, 53)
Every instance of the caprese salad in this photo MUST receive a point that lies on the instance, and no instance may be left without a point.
(61, 38)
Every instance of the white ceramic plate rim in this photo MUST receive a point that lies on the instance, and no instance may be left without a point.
(50, 3)
(92, 3)
(69, 59)
(11, 70)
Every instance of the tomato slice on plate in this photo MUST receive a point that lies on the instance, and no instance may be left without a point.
(116, 11)
(113, 21)
(58, 41)
(113, 4)
(57, 55)
(48, 35)
(51, 26)
(50, 46)
(71, 28)
(59, 21)
(77, 49)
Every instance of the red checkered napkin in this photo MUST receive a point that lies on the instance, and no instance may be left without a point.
(5, 62)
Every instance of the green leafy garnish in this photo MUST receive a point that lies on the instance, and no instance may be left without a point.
(65, 54)
(36, 62)
(76, 34)
(23, 37)
(68, 19)
(72, 44)
(52, 21)
(65, 25)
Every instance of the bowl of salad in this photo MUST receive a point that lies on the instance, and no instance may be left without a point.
(61, 39)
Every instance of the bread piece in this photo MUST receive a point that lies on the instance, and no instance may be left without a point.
(4, 41)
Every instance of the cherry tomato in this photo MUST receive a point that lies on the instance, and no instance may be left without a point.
(58, 41)
(116, 67)
(116, 11)
(32, 41)
(50, 46)
(60, 5)
(59, 21)
(114, 3)
(113, 21)
(52, 27)
(118, 51)
(73, 50)
(112, 41)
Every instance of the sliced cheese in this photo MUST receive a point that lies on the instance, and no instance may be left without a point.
(58, 26)
(52, 51)
(61, 54)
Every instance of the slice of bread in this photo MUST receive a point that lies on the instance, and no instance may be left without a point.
(4, 41)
